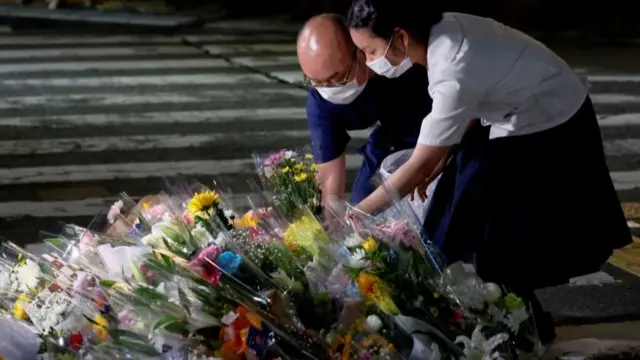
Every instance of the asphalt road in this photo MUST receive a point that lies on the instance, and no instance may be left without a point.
(84, 117)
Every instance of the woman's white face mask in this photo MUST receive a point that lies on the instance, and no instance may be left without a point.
(383, 67)
(343, 94)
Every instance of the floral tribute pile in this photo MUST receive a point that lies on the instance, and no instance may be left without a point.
(188, 275)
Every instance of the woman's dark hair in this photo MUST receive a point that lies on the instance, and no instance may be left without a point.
(383, 17)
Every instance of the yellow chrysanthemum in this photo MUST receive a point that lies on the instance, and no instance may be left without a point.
(374, 289)
(289, 241)
(370, 245)
(306, 233)
(248, 220)
(308, 156)
(202, 203)
(301, 177)
(315, 167)
(285, 170)
(100, 327)
(299, 166)
(18, 309)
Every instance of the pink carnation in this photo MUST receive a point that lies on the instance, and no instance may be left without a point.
(203, 264)
(274, 159)
(157, 213)
(399, 232)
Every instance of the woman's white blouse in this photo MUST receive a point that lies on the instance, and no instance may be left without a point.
(480, 68)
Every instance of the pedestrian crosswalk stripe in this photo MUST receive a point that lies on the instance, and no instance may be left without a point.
(612, 98)
(614, 78)
(167, 80)
(101, 51)
(73, 208)
(620, 120)
(58, 101)
(45, 41)
(237, 49)
(155, 118)
(147, 142)
(79, 66)
(259, 61)
(152, 141)
(49, 41)
(128, 170)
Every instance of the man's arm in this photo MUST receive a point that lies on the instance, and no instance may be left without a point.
(332, 178)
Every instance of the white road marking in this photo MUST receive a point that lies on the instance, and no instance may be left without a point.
(71, 208)
(258, 61)
(208, 96)
(46, 41)
(621, 120)
(262, 38)
(622, 147)
(160, 80)
(127, 170)
(614, 98)
(264, 49)
(614, 78)
(147, 142)
(152, 118)
(104, 51)
(80, 66)
(626, 180)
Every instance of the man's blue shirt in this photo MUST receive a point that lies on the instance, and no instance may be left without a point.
(399, 105)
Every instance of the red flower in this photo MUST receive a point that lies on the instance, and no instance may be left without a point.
(204, 264)
(76, 340)
(457, 316)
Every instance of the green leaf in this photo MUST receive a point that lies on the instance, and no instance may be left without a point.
(137, 274)
(55, 241)
(164, 322)
(117, 334)
(108, 283)
(91, 320)
(168, 262)
(138, 346)
(150, 294)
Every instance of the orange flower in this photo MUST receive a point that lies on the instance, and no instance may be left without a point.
(367, 284)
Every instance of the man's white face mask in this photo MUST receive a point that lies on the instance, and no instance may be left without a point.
(383, 67)
(343, 94)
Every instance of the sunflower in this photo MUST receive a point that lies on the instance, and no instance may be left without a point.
(202, 203)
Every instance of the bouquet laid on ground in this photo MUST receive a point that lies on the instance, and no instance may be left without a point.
(290, 175)
(464, 316)
(191, 274)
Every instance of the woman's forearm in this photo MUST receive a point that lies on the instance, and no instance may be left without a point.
(422, 163)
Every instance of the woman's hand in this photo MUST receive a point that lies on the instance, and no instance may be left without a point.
(421, 189)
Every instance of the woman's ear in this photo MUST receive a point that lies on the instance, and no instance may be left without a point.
(403, 36)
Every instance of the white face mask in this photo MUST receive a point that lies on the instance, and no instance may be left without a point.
(383, 67)
(342, 94)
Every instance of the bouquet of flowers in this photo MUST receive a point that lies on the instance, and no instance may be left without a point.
(291, 177)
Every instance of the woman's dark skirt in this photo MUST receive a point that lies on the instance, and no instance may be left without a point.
(531, 211)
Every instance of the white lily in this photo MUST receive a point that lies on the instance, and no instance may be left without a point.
(515, 318)
(481, 348)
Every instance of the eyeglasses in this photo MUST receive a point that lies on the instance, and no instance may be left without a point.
(310, 83)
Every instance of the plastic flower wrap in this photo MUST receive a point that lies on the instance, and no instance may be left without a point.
(367, 335)
(291, 176)
(466, 316)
